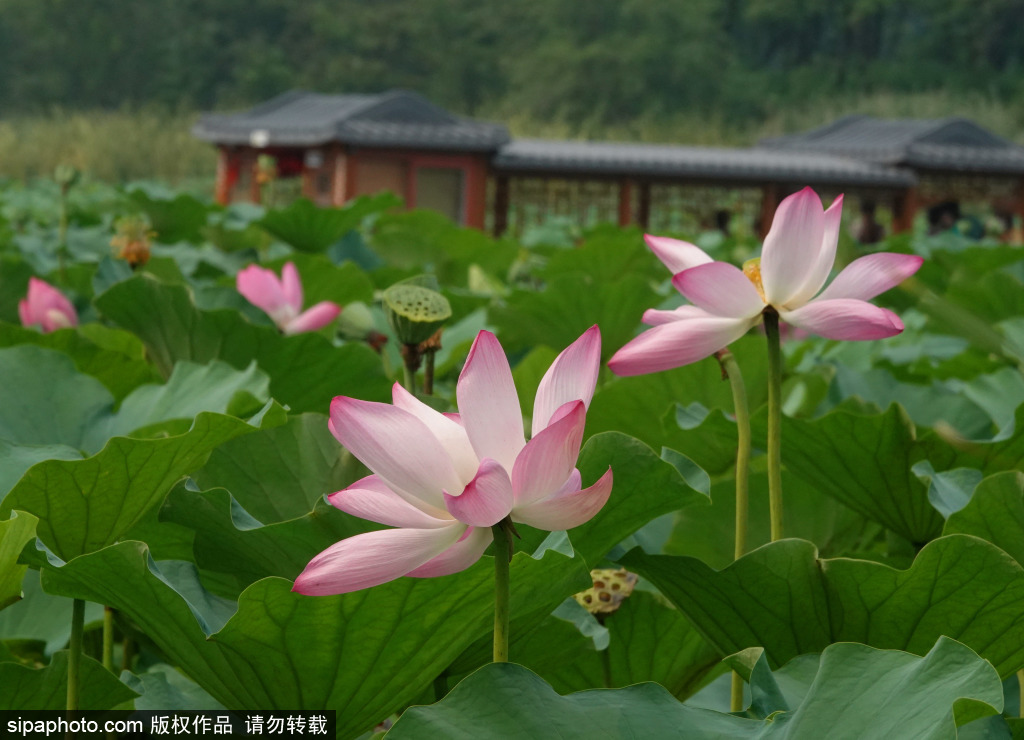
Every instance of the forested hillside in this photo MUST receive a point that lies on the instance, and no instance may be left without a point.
(586, 65)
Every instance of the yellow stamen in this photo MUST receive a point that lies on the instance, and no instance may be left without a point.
(752, 269)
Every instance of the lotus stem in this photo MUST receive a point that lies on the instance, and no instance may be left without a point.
(75, 653)
(411, 363)
(108, 638)
(1020, 690)
(741, 409)
(502, 557)
(771, 326)
(428, 374)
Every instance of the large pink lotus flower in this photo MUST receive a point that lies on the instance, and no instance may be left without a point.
(46, 307)
(282, 299)
(445, 479)
(795, 262)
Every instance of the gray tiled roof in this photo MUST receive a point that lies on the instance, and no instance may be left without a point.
(756, 165)
(394, 119)
(942, 144)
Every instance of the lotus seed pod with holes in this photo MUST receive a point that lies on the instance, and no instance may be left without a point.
(415, 312)
(611, 588)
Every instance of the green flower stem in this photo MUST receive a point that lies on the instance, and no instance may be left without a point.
(771, 326)
(410, 363)
(108, 638)
(731, 370)
(428, 372)
(1020, 690)
(75, 653)
(502, 557)
(409, 380)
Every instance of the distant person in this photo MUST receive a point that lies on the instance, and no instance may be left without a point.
(867, 230)
(723, 219)
(942, 217)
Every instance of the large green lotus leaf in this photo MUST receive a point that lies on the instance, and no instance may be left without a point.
(41, 616)
(569, 305)
(648, 641)
(606, 254)
(420, 238)
(948, 688)
(306, 371)
(14, 276)
(708, 532)
(508, 701)
(558, 638)
(865, 463)
(112, 356)
(14, 533)
(639, 405)
(783, 598)
(84, 505)
(174, 220)
(927, 405)
(50, 403)
(644, 487)
(992, 297)
(995, 513)
(311, 228)
(1004, 452)
(366, 654)
(279, 474)
(227, 540)
(998, 393)
(16, 459)
(322, 280)
(47, 688)
(191, 390)
(709, 439)
(161, 687)
(44, 400)
(873, 688)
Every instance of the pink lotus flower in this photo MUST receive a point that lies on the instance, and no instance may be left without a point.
(795, 262)
(46, 307)
(445, 479)
(282, 299)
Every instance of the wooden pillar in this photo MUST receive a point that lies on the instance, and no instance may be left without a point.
(625, 202)
(309, 177)
(643, 215)
(501, 204)
(1018, 202)
(343, 180)
(769, 203)
(227, 175)
(474, 211)
(904, 208)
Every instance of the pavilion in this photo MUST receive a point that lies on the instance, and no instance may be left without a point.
(342, 146)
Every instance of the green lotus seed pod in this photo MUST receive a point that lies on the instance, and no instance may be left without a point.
(415, 312)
